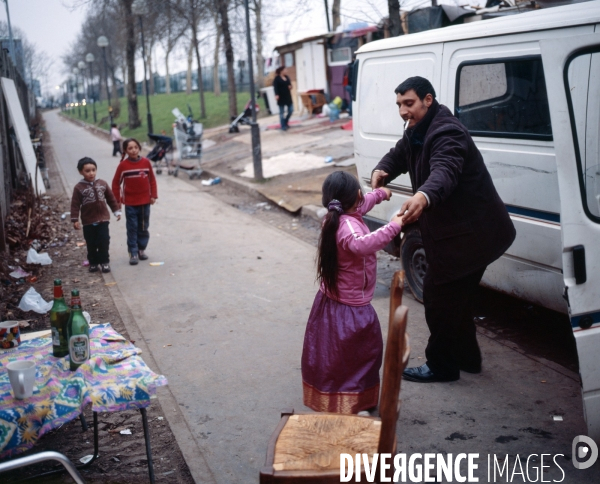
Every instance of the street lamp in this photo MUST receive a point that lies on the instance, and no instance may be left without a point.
(76, 73)
(89, 58)
(256, 153)
(140, 9)
(81, 65)
(103, 44)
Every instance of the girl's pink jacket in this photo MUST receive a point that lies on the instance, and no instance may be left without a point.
(357, 248)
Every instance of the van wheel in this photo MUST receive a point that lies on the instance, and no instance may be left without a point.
(414, 262)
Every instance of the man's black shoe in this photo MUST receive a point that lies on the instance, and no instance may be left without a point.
(422, 374)
(471, 368)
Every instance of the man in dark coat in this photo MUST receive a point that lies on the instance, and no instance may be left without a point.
(464, 224)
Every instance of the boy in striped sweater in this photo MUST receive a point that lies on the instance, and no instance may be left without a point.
(134, 185)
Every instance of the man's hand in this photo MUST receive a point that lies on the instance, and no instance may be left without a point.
(76, 225)
(388, 193)
(413, 208)
(152, 201)
(377, 179)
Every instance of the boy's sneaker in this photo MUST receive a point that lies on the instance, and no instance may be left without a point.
(105, 268)
(93, 268)
(133, 260)
(142, 255)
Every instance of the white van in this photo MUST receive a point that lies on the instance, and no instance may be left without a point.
(528, 88)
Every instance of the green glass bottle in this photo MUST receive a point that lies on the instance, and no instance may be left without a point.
(78, 333)
(59, 318)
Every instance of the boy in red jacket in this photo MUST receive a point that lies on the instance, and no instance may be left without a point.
(90, 197)
(134, 185)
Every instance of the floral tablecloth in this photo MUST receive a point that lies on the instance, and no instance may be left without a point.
(115, 378)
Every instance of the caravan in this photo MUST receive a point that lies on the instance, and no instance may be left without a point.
(528, 89)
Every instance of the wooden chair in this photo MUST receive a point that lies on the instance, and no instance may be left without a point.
(312, 100)
(306, 448)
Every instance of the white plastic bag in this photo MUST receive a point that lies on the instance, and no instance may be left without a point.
(32, 301)
(34, 258)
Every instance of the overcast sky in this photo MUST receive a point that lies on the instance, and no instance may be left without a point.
(52, 25)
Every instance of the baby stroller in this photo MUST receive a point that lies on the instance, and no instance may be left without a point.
(244, 118)
(162, 153)
(188, 138)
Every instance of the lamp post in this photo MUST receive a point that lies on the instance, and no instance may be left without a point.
(89, 58)
(256, 153)
(102, 42)
(76, 73)
(140, 8)
(81, 65)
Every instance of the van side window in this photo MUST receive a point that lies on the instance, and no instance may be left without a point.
(582, 85)
(505, 98)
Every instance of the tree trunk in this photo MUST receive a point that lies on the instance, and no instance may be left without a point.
(188, 77)
(200, 83)
(394, 15)
(260, 60)
(335, 14)
(134, 115)
(167, 76)
(222, 6)
(216, 77)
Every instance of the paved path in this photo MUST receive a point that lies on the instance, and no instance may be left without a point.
(232, 299)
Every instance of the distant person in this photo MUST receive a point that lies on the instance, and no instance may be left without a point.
(134, 185)
(343, 346)
(347, 82)
(283, 87)
(115, 136)
(90, 197)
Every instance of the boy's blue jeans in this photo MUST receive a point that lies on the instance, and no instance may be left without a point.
(138, 221)
(284, 119)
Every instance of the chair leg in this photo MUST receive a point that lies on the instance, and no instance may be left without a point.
(148, 449)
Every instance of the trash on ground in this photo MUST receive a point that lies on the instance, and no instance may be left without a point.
(19, 272)
(543, 381)
(160, 418)
(164, 346)
(110, 284)
(167, 473)
(117, 430)
(262, 204)
(85, 263)
(211, 181)
(64, 215)
(328, 159)
(157, 264)
(32, 301)
(87, 317)
(125, 432)
(557, 418)
(35, 244)
(86, 458)
(80, 244)
(24, 323)
(32, 279)
(34, 258)
(115, 459)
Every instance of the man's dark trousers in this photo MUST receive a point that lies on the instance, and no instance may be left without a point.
(97, 240)
(138, 221)
(449, 315)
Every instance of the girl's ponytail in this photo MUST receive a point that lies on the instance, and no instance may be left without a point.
(340, 192)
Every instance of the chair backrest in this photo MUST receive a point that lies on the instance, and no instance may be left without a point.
(397, 352)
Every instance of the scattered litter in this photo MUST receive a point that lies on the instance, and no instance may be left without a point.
(157, 264)
(262, 204)
(125, 432)
(557, 418)
(160, 418)
(32, 301)
(85, 263)
(19, 273)
(32, 279)
(543, 381)
(24, 323)
(110, 284)
(328, 159)
(64, 215)
(35, 244)
(211, 181)
(76, 280)
(87, 317)
(167, 473)
(34, 258)
(167, 345)
(80, 244)
(118, 429)
(116, 459)
(86, 458)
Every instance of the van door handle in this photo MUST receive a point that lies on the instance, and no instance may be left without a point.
(579, 264)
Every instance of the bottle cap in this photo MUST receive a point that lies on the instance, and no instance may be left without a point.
(57, 282)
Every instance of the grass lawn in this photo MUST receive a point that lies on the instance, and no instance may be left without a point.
(161, 105)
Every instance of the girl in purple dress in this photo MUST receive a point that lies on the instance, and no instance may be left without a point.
(343, 346)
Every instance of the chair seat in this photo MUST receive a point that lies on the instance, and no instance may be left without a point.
(315, 441)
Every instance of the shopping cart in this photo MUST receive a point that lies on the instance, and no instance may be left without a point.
(162, 153)
(188, 140)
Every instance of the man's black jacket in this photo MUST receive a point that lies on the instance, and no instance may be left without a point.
(466, 225)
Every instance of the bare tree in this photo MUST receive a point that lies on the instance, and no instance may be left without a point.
(335, 14)
(190, 60)
(223, 11)
(394, 16)
(216, 77)
(134, 113)
(172, 27)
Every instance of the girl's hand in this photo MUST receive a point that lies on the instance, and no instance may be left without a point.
(388, 193)
(152, 201)
(397, 218)
(76, 225)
